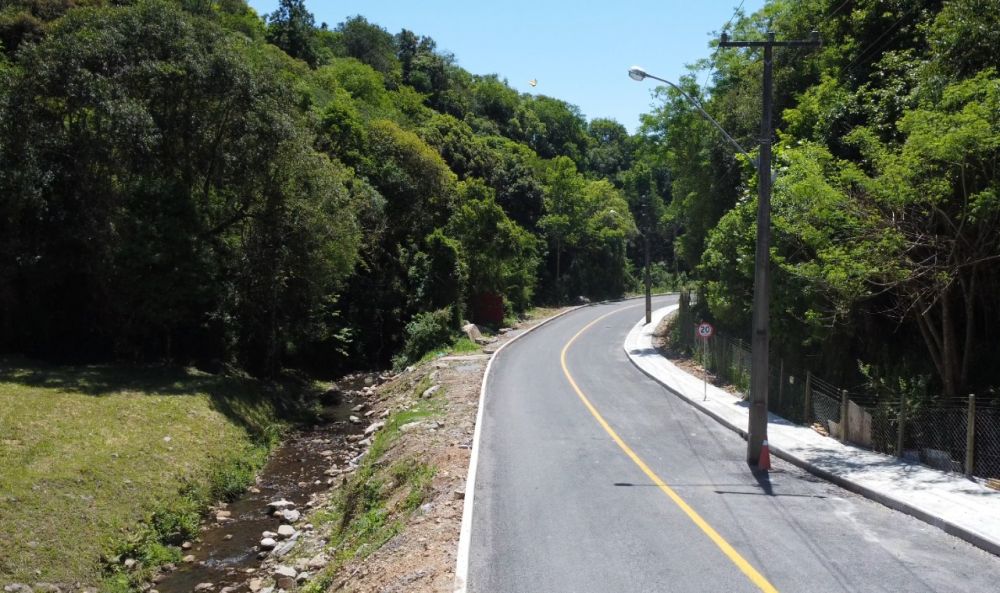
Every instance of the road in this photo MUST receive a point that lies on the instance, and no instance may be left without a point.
(593, 478)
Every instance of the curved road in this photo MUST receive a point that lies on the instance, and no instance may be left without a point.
(593, 478)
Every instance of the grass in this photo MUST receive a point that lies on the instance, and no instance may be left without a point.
(370, 508)
(101, 463)
(462, 345)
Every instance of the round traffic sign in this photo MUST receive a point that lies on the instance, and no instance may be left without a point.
(705, 330)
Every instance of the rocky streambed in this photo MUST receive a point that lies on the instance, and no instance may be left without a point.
(241, 545)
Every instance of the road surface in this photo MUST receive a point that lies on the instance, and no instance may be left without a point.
(593, 478)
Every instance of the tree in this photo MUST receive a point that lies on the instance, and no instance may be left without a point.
(291, 27)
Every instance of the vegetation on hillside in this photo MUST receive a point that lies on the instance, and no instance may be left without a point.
(885, 209)
(187, 182)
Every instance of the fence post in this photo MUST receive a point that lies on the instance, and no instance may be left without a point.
(807, 411)
(901, 429)
(843, 415)
(970, 437)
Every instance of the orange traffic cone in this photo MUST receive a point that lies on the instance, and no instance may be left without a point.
(764, 463)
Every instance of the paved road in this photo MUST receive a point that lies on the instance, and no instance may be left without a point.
(562, 506)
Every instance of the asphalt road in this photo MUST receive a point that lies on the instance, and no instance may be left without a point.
(561, 506)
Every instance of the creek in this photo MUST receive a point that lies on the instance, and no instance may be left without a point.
(227, 552)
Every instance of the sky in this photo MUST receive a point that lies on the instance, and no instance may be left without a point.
(578, 51)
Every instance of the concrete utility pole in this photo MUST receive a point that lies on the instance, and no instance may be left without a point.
(759, 368)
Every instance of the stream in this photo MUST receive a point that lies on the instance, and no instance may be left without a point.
(227, 552)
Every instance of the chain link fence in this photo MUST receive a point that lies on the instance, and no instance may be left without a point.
(938, 434)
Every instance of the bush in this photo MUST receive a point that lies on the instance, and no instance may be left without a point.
(426, 332)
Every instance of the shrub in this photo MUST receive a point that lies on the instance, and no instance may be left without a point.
(426, 332)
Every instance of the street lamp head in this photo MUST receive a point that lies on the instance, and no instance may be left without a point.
(637, 73)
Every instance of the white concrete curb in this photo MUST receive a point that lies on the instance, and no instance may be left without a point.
(949, 501)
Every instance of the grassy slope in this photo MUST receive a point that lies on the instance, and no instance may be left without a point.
(87, 453)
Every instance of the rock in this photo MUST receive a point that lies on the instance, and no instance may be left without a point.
(290, 515)
(369, 413)
(358, 408)
(286, 531)
(280, 505)
(17, 588)
(459, 494)
(411, 426)
(253, 490)
(228, 537)
(354, 419)
(369, 380)
(223, 515)
(204, 587)
(284, 577)
(318, 561)
(326, 453)
(167, 439)
(228, 590)
(267, 543)
(384, 414)
(284, 547)
(130, 563)
(333, 396)
(256, 584)
(430, 391)
(302, 577)
(186, 545)
(375, 426)
(270, 534)
(189, 558)
(472, 331)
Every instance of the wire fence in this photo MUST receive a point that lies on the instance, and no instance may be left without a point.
(953, 435)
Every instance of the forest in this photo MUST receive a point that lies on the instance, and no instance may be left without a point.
(189, 182)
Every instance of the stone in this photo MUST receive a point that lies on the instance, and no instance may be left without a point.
(373, 428)
(221, 516)
(267, 543)
(369, 380)
(17, 588)
(228, 590)
(284, 576)
(280, 505)
(186, 546)
(459, 494)
(270, 534)
(472, 331)
(318, 561)
(326, 453)
(333, 395)
(302, 577)
(256, 584)
(286, 531)
(189, 558)
(430, 391)
(227, 537)
(204, 587)
(358, 408)
(130, 563)
(290, 515)
(410, 426)
(354, 419)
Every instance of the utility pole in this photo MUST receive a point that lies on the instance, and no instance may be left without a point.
(647, 280)
(759, 368)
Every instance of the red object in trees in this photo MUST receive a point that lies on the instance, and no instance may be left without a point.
(487, 309)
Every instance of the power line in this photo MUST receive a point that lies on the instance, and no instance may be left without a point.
(867, 50)
(715, 54)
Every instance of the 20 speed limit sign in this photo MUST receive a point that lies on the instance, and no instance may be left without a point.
(705, 330)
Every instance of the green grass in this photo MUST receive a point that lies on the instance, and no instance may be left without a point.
(104, 462)
(369, 510)
(462, 345)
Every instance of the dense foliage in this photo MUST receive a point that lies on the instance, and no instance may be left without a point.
(885, 210)
(187, 181)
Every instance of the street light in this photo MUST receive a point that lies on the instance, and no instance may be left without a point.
(639, 74)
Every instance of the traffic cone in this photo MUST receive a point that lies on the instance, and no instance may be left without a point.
(764, 463)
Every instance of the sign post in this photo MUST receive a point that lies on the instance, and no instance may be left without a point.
(705, 331)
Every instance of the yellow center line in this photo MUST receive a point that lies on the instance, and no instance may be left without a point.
(734, 556)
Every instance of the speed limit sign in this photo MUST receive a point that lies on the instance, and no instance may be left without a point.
(705, 330)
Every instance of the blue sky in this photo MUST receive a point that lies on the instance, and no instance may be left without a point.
(578, 51)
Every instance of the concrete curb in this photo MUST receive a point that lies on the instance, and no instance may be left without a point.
(976, 539)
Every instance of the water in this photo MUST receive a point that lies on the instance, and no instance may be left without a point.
(227, 552)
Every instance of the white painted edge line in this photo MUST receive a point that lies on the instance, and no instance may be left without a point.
(465, 534)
